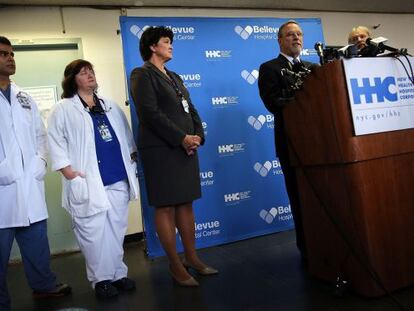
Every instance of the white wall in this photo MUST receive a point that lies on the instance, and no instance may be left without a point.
(102, 45)
(336, 26)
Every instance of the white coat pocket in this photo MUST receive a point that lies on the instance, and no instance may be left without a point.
(78, 190)
(39, 168)
(6, 173)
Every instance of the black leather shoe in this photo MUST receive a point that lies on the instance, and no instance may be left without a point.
(104, 289)
(60, 290)
(124, 284)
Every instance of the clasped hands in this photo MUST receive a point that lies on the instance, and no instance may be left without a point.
(190, 143)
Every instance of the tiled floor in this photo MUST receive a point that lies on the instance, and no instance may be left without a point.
(263, 273)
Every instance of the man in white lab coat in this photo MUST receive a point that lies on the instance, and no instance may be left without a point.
(23, 211)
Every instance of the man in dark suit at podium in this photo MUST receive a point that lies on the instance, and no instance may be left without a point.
(276, 93)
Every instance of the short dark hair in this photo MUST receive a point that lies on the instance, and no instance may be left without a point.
(151, 36)
(284, 25)
(5, 41)
(69, 85)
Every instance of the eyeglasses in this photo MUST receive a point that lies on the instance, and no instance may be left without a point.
(294, 34)
(6, 53)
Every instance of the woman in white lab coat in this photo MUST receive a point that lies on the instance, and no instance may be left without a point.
(91, 144)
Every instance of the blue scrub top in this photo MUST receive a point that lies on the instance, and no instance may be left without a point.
(108, 150)
(6, 93)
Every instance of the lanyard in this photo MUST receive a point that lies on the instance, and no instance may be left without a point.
(180, 95)
(96, 112)
(97, 109)
(175, 87)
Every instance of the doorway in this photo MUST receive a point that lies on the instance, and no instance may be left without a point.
(39, 70)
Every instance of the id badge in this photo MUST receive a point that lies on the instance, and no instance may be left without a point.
(24, 100)
(105, 133)
(185, 105)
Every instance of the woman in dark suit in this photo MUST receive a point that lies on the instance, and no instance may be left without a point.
(170, 132)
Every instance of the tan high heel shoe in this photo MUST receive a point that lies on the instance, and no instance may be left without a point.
(191, 282)
(207, 270)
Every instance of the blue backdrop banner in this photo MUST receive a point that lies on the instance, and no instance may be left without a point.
(218, 59)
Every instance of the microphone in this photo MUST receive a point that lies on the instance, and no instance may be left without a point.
(294, 79)
(376, 46)
(376, 41)
(379, 43)
(319, 50)
(348, 51)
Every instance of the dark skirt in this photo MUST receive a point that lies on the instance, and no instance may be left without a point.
(171, 176)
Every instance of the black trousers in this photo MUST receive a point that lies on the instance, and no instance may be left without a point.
(293, 194)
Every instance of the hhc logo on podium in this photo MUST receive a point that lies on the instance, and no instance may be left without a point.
(382, 88)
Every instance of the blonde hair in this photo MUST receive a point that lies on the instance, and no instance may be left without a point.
(361, 28)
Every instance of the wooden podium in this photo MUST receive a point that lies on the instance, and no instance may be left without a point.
(354, 188)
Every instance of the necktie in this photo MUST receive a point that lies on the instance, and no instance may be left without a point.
(296, 61)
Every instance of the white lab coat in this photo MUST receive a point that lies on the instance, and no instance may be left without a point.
(72, 142)
(23, 149)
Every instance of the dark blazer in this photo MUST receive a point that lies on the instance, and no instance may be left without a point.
(162, 119)
(272, 87)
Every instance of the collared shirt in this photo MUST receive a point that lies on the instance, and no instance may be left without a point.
(6, 93)
(290, 58)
